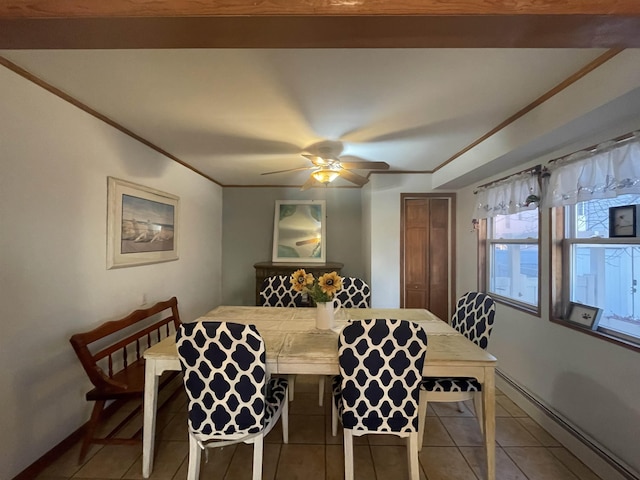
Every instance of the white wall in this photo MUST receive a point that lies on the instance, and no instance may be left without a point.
(383, 205)
(248, 234)
(593, 384)
(592, 94)
(366, 228)
(54, 163)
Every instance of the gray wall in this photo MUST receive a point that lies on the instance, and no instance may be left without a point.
(247, 237)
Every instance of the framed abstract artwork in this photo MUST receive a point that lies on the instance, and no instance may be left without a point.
(299, 231)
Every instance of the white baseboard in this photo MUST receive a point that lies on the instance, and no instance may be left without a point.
(596, 457)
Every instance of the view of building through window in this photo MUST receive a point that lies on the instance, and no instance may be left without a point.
(513, 256)
(604, 272)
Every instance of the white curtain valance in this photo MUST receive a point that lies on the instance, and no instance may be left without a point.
(512, 195)
(612, 169)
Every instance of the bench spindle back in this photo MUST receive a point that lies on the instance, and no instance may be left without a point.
(90, 361)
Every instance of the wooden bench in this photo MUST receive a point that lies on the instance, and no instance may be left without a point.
(116, 368)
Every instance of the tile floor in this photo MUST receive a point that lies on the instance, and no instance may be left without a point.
(452, 448)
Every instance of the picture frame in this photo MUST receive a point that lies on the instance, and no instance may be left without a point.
(299, 231)
(585, 316)
(142, 224)
(624, 221)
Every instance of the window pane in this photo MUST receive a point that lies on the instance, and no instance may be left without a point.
(592, 217)
(516, 226)
(514, 272)
(606, 276)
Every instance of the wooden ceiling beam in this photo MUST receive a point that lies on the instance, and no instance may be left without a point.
(324, 32)
(319, 24)
(187, 8)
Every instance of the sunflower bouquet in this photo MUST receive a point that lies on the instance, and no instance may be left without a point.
(321, 290)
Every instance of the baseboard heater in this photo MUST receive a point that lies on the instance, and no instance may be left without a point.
(613, 462)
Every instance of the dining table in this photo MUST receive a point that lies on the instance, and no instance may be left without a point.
(294, 345)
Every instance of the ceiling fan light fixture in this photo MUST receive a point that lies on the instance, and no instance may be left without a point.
(325, 175)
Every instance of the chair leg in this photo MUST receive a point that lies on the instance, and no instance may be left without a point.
(321, 390)
(334, 418)
(412, 456)
(284, 418)
(477, 406)
(292, 381)
(348, 454)
(98, 406)
(257, 457)
(194, 459)
(422, 417)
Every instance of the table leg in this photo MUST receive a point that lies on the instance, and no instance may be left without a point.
(489, 407)
(149, 420)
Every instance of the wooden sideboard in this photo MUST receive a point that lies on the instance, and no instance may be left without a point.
(267, 269)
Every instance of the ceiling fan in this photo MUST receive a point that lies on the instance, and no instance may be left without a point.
(326, 166)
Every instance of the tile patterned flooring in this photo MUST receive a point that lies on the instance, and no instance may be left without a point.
(452, 448)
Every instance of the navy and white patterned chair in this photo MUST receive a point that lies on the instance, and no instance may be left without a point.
(474, 318)
(377, 390)
(355, 293)
(231, 398)
(276, 291)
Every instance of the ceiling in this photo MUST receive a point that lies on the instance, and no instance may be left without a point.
(236, 89)
(233, 114)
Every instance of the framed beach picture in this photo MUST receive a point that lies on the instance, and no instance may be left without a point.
(142, 225)
(299, 231)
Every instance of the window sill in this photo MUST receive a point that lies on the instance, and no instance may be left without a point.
(599, 334)
(523, 307)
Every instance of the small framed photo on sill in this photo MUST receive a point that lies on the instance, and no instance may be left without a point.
(623, 221)
(585, 316)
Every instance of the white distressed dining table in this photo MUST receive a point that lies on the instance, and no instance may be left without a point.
(294, 346)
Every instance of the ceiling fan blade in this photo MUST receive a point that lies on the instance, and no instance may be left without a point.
(353, 177)
(349, 161)
(366, 165)
(317, 160)
(312, 182)
(288, 170)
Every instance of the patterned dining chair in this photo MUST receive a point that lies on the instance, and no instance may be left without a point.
(355, 293)
(474, 318)
(231, 398)
(276, 291)
(377, 390)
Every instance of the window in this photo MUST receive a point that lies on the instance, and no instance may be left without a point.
(602, 272)
(513, 260)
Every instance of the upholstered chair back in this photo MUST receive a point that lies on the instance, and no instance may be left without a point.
(355, 293)
(225, 376)
(276, 291)
(381, 364)
(474, 317)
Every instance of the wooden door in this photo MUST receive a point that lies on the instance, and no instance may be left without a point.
(427, 260)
